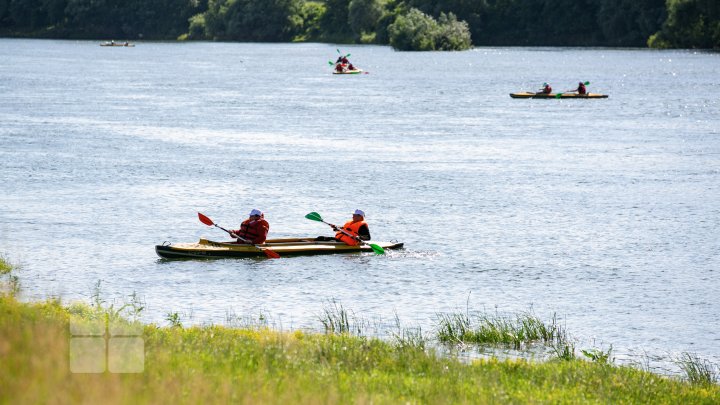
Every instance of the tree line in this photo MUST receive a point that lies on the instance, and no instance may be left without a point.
(403, 24)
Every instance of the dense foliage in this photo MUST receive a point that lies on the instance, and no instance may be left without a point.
(416, 31)
(248, 20)
(405, 24)
(157, 19)
(690, 24)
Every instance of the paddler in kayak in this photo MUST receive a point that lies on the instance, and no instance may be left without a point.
(546, 89)
(356, 227)
(254, 229)
(581, 90)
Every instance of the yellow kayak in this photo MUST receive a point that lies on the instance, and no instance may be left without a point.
(207, 249)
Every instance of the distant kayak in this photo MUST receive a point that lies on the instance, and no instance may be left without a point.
(528, 94)
(117, 44)
(207, 249)
(348, 72)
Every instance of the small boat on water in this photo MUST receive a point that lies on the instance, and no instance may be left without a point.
(528, 94)
(348, 72)
(207, 249)
(113, 43)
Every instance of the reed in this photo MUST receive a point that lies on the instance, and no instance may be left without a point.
(515, 331)
(409, 338)
(697, 371)
(9, 282)
(338, 320)
(5, 266)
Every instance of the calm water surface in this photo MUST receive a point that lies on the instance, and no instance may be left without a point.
(605, 212)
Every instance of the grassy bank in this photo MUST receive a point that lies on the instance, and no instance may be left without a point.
(219, 364)
(215, 364)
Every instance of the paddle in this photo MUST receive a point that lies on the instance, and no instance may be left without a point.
(569, 91)
(269, 253)
(316, 217)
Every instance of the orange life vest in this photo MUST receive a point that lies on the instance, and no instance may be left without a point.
(352, 228)
(253, 230)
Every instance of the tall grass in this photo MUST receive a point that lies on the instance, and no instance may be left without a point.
(214, 364)
(338, 320)
(514, 331)
(9, 282)
(5, 266)
(412, 338)
(697, 371)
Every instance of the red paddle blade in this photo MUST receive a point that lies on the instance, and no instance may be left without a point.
(271, 254)
(205, 220)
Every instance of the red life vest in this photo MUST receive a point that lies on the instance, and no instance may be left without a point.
(547, 90)
(352, 228)
(253, 230)
(581, 89)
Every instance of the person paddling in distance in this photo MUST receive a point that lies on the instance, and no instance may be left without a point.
(357, 229)
(546, 89)
(581, 90)
(253, 230)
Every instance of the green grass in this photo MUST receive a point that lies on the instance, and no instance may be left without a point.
(338, 320)
(215, 364)
(255, 364)
(514, 331)
(9, 282)
(5, 267)
(698, 371)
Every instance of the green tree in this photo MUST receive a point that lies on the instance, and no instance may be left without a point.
(334, 22)
(311, 12)
(690, 24)
(93, 19)
(262, 21)
(28, 14)
(630, 22)
(247, 20)
(363, 16)
(452, 34)
(414, 31)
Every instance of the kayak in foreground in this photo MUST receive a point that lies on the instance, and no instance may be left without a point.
(206, 249)
(528, 94)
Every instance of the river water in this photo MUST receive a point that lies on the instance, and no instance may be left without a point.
(604, 212)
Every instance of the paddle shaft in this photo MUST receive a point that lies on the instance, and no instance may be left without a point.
(234, 235)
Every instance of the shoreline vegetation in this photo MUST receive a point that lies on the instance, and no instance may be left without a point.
(407, 25)
(255, 364)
